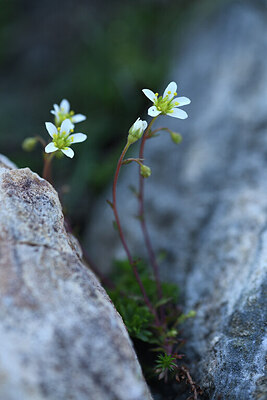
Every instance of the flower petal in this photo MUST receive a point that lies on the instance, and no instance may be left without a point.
(144, 125)
(78, 118)
(183, 101)
(50, 148)
(66, 126)
(172, 88)
(153, 111)
(178, 113)
(78, 138)
(51, 128)
(56, 108)
(151, 95)
(53, 112)
(65, 106)
(68, 152)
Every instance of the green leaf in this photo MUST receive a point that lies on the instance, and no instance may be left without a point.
(110, 203)
(133, 190)
(115, 225)
(163, 301)
(184, 317)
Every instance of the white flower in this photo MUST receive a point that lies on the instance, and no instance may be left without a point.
(63, 112)
(63, 138)
(167, 104)
(136, 131)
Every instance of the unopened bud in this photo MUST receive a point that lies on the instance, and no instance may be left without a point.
(176, 137)
(145, 171)
(172, 333)
(29, 143)
(136, 131)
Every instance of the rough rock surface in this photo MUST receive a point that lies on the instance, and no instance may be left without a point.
(206, 200)
(60, 336)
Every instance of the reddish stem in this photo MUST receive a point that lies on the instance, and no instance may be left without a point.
(150, 250)
(41, 140)
(130, 258)
(47, 167)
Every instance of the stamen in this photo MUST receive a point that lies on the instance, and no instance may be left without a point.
(156, 94)
(169, 92)
(175, 94)
(176, 103)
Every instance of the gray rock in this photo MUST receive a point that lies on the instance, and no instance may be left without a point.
(206, 200)
(60, 336)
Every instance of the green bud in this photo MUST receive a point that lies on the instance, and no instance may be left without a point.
(132, 139)
(191, 314)
(136, 131)
(29, 143)
(145, 171)
(172, 333)
(176, 137)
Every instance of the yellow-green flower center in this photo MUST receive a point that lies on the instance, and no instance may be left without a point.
(62, 140)
(165, 104)
(62, 115)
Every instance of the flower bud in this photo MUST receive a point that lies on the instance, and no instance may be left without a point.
(136, 131)
(145, 171)
(176, 137)
(172, 333)
(29, 143)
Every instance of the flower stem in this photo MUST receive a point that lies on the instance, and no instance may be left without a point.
(47, 167)
(126, 248)
(40, 140)
(150, 250)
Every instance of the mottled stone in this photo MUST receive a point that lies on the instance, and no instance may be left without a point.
(206, 200)
(60, 336)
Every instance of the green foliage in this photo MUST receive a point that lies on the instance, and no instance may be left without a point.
(125, 282)
(183, 317)
(137, 318)
(166, 361)
(165, 365)
(129, 302)
(160, 337)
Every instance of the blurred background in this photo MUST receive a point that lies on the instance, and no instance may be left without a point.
(98, 55)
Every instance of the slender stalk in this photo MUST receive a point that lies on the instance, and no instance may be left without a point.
(150, 250)
(126, 248)
(41, 140)
(47, 167)
(155, 131)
